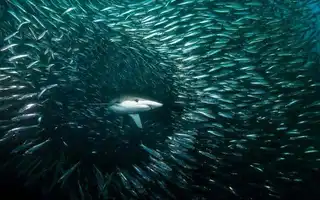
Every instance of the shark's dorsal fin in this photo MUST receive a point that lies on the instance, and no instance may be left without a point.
(136, 119)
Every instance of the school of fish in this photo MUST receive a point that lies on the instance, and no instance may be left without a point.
(238, 82)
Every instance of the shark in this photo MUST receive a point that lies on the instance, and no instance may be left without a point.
(132, 106)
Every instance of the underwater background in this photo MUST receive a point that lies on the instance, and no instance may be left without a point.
(238, 80)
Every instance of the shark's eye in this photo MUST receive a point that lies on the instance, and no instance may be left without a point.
(136, 100)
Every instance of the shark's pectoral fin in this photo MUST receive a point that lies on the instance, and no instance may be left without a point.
(136, 119)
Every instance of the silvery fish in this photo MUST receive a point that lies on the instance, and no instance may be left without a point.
(235, 85)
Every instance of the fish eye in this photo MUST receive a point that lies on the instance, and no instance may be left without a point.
(136, 100)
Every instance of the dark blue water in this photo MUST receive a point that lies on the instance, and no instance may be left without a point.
(12, 187)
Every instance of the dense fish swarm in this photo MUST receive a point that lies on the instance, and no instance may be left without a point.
(238, 81)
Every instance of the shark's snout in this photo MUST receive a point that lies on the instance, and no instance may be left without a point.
(154, 104)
